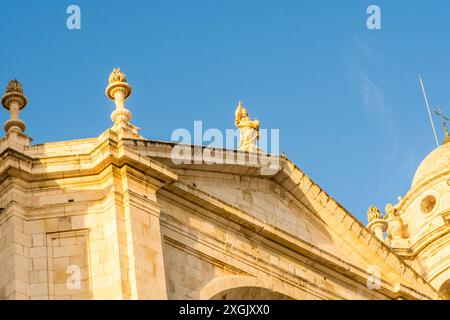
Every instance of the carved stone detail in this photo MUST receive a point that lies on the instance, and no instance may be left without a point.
(14, 100)
(376, 223)
(249, 130)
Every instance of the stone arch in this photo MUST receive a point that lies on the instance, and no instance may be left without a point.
(444, 290)
(440, 281)
(250, 293)
(242, 287)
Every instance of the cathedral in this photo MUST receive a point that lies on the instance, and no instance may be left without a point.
(118, 216)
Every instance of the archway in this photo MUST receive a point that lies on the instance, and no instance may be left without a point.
(444, 290)
(244, 287)
(250, 293)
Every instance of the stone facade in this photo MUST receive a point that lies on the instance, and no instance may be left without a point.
(115, 217)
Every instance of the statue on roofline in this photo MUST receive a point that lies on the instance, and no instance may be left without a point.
(249, 130)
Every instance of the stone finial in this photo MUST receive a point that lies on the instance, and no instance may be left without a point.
(14, 86)
(117, 76)
(119, 90)
(118, 86)
(373, 213)
(14, 100)
(376, 222)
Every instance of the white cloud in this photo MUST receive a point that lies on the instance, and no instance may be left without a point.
(373, 97)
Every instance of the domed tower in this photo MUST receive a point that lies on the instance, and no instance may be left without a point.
(419, 225)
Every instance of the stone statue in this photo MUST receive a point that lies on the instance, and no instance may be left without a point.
(390, 210)
(396, 228)
(249, 130)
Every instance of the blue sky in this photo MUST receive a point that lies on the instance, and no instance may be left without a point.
(346, 99)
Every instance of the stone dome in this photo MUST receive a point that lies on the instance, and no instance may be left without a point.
(435, 164)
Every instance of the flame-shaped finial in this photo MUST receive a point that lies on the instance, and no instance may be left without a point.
(14, 86)
(373, 213)
(117, 76)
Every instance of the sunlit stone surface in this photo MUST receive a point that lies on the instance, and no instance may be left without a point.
(113, 217)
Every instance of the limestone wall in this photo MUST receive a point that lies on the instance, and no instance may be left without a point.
(128, 226)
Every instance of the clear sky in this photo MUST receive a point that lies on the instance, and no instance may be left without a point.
(346, 99)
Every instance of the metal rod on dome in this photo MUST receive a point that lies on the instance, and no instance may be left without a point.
(429, 112)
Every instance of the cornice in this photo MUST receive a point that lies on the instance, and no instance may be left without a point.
(107, 152)
(302, 186)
